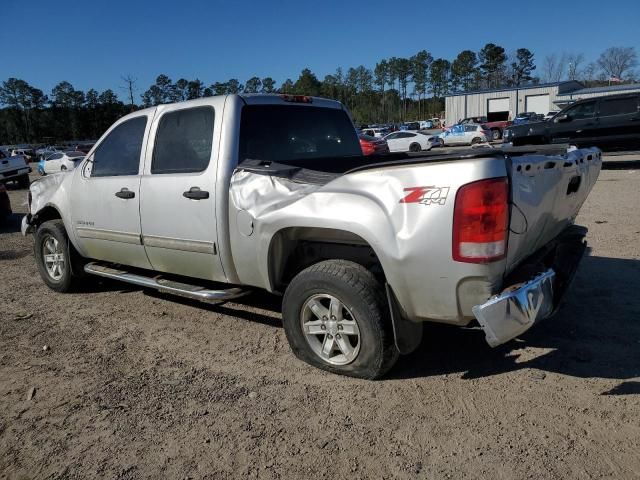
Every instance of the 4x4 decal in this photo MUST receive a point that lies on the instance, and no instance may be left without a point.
(426, 195)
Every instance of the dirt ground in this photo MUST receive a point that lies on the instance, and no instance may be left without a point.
(134, 384)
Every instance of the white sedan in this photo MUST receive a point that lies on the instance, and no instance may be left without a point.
(465, 134)
(404, 141)
(61, 161)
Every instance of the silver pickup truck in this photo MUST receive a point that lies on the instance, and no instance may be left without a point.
(14, 168)
(210, 198)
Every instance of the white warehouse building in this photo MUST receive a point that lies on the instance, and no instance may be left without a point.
(507, 103)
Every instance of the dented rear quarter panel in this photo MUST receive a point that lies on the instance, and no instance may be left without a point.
(411, 240)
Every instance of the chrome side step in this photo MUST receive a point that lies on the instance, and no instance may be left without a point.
(194, 292)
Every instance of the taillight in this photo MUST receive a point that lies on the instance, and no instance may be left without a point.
(367, 148)
(480, 221)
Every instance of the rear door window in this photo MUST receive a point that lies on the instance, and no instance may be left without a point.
(119, 153)
(584, 110)
(618, 106)
(184, 141)
(282, 133)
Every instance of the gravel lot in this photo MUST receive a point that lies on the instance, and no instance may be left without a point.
(134, 384)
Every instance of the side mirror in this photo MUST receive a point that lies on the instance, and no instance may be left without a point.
(561, 118)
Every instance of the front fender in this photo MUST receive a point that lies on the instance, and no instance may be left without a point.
(54, 191)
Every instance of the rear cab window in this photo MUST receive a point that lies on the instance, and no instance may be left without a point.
(296, 134)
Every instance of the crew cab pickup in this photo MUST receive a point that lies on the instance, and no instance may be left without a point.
(14, 168)
(496, 127)
(610, 123)
(213, 197)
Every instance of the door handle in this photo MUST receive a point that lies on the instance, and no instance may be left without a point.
(125, 193)
(194, 193)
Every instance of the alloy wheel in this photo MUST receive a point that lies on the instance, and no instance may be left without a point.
(330, 329)
(53, 256)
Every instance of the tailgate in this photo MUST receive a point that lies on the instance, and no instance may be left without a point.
(547, 193)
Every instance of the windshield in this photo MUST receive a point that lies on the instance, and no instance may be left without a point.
(281, 133)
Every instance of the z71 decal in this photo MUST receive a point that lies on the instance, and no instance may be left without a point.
(426, 195)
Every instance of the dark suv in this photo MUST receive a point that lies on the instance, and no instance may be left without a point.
(610, 123)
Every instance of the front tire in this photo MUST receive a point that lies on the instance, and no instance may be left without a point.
(336, 318)
(496, 134)
(59, 264)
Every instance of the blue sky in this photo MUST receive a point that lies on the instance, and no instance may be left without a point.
(93, 43)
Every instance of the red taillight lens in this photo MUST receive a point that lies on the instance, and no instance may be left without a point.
(368, 148)
(480, 221)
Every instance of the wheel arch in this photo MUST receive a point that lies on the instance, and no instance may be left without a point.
(292, 249)
(46, 213)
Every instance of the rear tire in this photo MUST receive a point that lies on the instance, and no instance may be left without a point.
(476, 141)
(59, 264)
(63, 168)
(415, 147)
(496, 134)
(315, 334)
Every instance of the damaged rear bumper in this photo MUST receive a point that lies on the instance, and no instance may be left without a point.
(513, 312)
(522, 304)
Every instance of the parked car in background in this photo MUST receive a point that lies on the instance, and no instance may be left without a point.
(465, 134)
(5, 204)
(372, 145)
(410, 126)
(610, 123)
(46, 151)
(496, 128)
(405, 141)
(435, 140)
(60, 162)
(14, 168)
(550, 115)
(377, 132)
(527, 117)
(27, 153)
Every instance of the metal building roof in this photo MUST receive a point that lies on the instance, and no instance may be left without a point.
(522, 87)
(606, 89)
